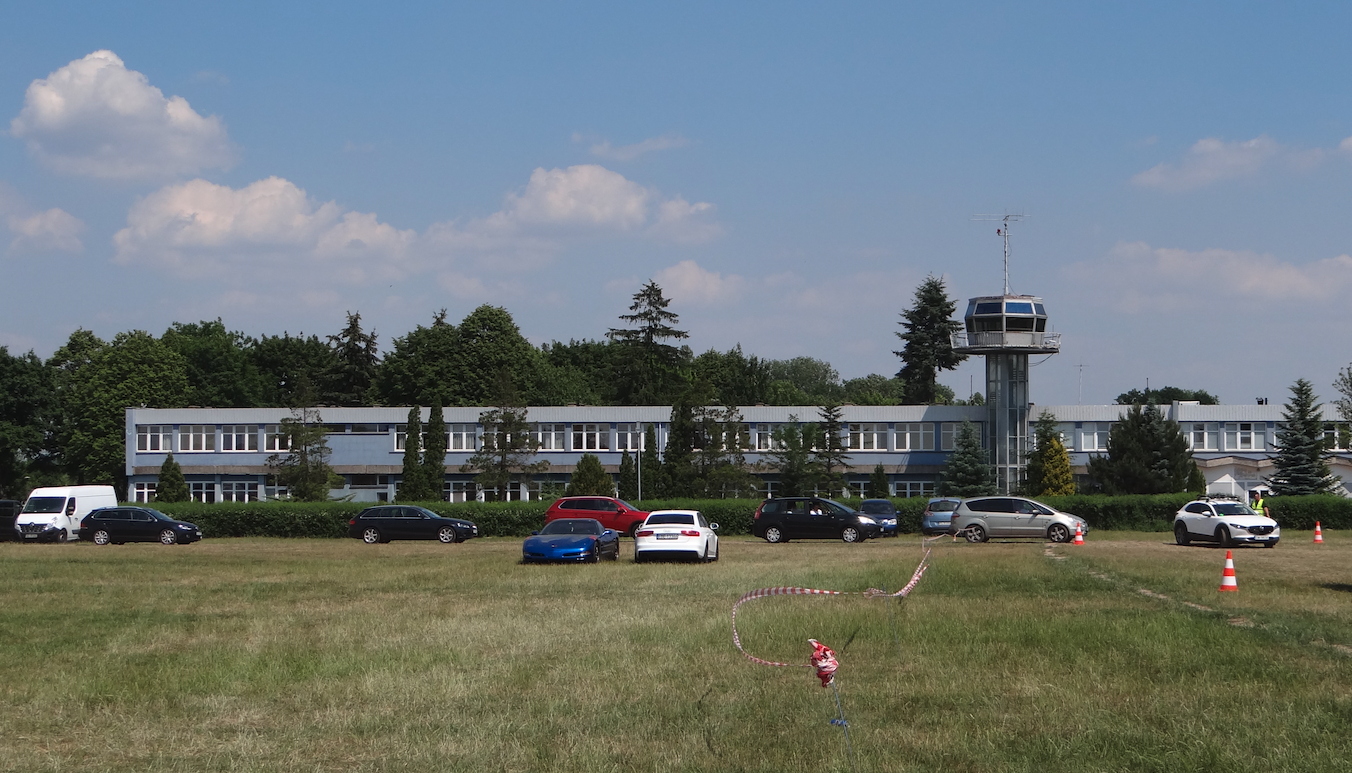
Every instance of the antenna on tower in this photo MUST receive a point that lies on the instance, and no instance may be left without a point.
(1006, 219)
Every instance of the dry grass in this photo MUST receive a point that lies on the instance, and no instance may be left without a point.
(241, 655)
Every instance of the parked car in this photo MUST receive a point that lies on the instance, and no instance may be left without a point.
(982, 518)
(136, 524)
(676, 533)
(1224, 522)
(387, 522)
(613, 513)
(882, 511)
(8, 509)
(54, 513)
(938, 515)
(786, 518)
(571, 539)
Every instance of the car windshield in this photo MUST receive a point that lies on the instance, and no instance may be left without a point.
(160, 516)
(880, 507)
(627, 506)
(1233, 508)
(679, 519)
(44, 505)
(573, 526)
(943, 506)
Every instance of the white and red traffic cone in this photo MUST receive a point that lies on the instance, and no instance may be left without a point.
(1228, 576)
(1318, 534)
(1079, 534)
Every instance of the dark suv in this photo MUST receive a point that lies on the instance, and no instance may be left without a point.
(615, 514)
(786, 518)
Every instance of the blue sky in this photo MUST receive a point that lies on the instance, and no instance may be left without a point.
(789, 173)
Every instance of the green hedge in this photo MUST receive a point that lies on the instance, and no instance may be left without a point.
(734, 516)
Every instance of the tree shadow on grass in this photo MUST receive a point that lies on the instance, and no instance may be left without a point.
(1341, 587)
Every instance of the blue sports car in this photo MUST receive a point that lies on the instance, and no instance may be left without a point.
(571, 539)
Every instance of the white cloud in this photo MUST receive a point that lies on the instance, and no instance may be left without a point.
(1136, 277)
(584, 195)
(1212, 160)
(689, 283)
(95, 117)
(54, 229)
(604, 149)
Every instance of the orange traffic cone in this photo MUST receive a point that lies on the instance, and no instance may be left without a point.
(1318, 534)
(1228, 576)
(1079, 535)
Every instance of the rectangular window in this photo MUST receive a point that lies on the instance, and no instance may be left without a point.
(196, 437)
(202, 492)
(1094, 435)
(154, 437)
(460, 437)
(948, 434)
(274, 440)
(914, 488)
(401, 437)
(915, 437)
(368, 429)
(1239, 436)
(869, 437)
(239, 437)
(1204, 436)
(551, 437)
(763, 437)
(143, 492)
(457, 491)
(628, 437)
(1335, 436)
(591, 437)
(239, 491)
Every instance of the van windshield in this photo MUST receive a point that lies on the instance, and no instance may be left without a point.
(44, 504)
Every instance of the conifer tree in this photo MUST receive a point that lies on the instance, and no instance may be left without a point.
(412, 485)
(503, 456)
(1302, 458)
(652, 365)
(877, 484)
(171, 487)
(650, 469)
(434, 455)
(790, 454)
(1049, 464)
(1147, 454)
(590, 479)
(929, 326)
(628, 478)
(830, 453)
(968, 472)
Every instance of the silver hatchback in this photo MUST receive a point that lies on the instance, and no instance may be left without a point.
(981, 518)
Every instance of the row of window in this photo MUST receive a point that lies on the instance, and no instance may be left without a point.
(1201, 436)
(203, 437)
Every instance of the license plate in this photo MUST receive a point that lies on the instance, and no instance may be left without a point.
(30, 536)
(668, 536)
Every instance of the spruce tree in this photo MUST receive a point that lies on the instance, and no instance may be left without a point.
(412, 485)
(434, 455)
(929, 327)
(628, 478)
(790, 454)
(652, 366)
(831, 455)
(590, 479)
(171, 487)
(1049, 464)
(1147, 454)
(1302, 458)
(650, 470)
(968, 472)
(877, 484)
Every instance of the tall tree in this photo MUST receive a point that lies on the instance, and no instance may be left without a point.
(650, 466)
(736, 379)
(802, 381)
(420, 369)
(830, 453)
(721, 470)
(967, 473)
(1302, 458)
(349, 380)
(928, 349)
(875, 389)
(434, 454)
(628, 483)
(492, 357)
(1166, 396)
(304, 471)
(590, 479)
(291, 369)
(652, 365)
(877, 483)
(679, 464)
(171, 486)
(1343, 383)
(790, 454)
(505, 453)
(1049, 464)
(1147, 454)
(27, 410)
(413, 483)
(220, 372)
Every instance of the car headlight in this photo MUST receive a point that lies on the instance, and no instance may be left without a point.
(867, 520)
(1238, 526)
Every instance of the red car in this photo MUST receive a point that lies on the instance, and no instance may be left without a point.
(613, 513)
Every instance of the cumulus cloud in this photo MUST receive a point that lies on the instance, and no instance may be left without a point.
(604, 149)
(199, 228)
(95, 117)
(689, 283)
(1212, 160)
(1141, 278)
(53, 230)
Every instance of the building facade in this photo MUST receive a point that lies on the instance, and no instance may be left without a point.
(224, 451)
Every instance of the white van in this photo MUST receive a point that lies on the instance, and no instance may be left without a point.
(54, 514)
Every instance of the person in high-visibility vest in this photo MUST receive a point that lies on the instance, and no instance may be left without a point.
(1260, 504)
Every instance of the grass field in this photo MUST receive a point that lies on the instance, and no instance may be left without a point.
(331, 655)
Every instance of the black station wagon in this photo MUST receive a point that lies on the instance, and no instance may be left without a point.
(382, 524)
(136, 524)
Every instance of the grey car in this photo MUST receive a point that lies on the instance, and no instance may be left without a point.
(981, 518)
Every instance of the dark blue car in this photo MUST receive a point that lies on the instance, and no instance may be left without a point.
(571, 539)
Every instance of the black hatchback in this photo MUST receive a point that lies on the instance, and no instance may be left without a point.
(382, 524)
(136, 524)
(786, 518)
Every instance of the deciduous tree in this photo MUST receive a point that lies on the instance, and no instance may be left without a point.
(790, 454)
(1166, 396)
(420, 368)
(590, 479)
(220, 372)
(27, 410)
(928, 349)
(304, 471)
(504, 453)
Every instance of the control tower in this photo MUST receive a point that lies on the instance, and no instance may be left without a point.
(1005, 329)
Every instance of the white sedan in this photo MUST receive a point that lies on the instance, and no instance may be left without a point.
(676, 533)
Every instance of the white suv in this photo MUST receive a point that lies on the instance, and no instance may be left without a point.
(1224, 522)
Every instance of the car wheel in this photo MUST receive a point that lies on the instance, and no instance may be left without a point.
(773, 535)
(633, 529)
(1223, 536)
(715, 558)
(1181, 533)
(615, 556)
(704, 559)
(638, 557)
(1058, 533)
(595, 557)
(167, 537)
(371, 535)
(61, 536)
(446, 534)
(102, 537)
(849, 534)
(975, 533)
